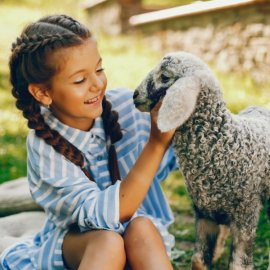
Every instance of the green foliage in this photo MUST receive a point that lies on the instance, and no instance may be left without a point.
(12, 135)
(12, 156)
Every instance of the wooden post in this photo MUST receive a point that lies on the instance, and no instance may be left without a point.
(128, 9)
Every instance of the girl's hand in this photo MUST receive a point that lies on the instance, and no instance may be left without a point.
(156, 136)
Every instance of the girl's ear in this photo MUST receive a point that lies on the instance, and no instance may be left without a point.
(40, 93)
(178, 103)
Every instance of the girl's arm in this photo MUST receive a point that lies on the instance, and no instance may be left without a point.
(134, 187)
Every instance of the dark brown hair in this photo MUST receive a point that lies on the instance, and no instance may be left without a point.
(29, 64)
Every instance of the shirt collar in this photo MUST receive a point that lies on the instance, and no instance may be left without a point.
(77, 137)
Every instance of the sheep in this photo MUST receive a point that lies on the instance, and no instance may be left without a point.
(225, 158)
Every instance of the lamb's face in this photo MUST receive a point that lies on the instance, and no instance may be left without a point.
(154, 86)
(177, 80)
(172, 67)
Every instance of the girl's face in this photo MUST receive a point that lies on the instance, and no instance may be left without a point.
(77, 89)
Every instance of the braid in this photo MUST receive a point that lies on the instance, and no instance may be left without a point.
(53, 138)
(110, 118)
(25, 44)
(113, 130)
(68, 23)
(31, 112)
(28, 65)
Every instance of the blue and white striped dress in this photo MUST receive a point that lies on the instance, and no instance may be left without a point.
(67, 195)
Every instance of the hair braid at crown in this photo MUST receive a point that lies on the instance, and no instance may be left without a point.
(25, 44)
(113, 130)
(68, 23)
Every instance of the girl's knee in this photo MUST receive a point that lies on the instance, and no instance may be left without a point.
(111, 246)
(107, 240)
(144, 246)
(141, 225)
(100, 243)
(139, 232)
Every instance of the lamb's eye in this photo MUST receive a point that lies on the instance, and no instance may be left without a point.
(164, 78)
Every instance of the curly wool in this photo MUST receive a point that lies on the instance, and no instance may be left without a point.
(225, 157)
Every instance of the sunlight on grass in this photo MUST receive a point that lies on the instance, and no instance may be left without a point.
(15, 17)
(12, 122)
(240, 91)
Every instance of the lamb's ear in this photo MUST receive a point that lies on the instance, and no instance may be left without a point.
(178, 103)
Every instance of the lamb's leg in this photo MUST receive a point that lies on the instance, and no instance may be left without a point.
(206, 236)
(224, 232)
(242, 248)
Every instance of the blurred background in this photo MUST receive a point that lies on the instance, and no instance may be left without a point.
(233, 37)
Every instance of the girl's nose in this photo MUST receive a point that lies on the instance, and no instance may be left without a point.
(97, 84)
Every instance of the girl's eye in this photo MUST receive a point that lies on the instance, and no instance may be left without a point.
(100, 70)
(79, 81)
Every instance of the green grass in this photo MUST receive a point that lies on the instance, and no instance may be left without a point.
(240, 91)
(126, 61)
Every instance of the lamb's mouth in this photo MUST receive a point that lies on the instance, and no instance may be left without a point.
(143, 106)
(147, 104)
(141, 102)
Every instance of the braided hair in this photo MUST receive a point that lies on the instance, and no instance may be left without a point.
(29, 64)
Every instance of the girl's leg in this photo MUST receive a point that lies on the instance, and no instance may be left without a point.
(144, 246)
(102, 250)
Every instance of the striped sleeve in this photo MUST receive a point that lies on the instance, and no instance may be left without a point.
(66, 194)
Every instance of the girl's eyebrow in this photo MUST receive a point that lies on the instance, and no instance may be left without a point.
(81, 70)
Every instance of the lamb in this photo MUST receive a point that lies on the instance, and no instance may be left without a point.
(225, 158)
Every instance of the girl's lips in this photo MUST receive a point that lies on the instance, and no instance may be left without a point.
(92, 100)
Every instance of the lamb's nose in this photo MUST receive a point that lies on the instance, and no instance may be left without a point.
(136, 94)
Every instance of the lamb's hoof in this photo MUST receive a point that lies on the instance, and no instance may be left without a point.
(197, 263)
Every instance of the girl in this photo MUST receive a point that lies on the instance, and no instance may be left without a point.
(79, 150)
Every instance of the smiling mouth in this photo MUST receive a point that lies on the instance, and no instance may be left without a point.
(92, 100)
